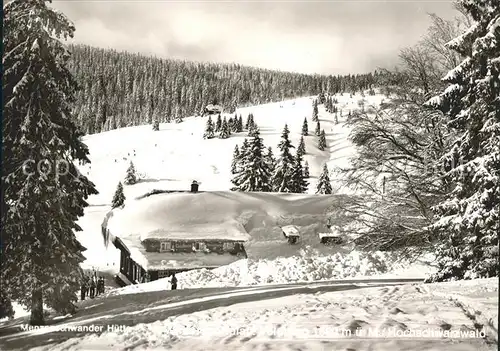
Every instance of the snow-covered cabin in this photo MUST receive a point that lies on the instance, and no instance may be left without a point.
(212, 110)
(291, 233)
(170, 233)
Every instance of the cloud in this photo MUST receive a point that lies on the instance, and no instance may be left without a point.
(335, 37)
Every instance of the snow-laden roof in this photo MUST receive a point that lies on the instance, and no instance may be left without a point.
(290, 230)
(205, 216)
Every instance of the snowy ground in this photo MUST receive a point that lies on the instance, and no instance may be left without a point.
(445, 316)
(169, 159)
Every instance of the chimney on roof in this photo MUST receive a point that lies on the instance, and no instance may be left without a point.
(194, 186)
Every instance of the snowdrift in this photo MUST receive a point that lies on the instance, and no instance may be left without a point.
(308, 266)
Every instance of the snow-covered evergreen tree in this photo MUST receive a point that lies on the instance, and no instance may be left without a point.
(324, 186)
(224, 130)
(40, 207)
(252, 129)
(131, 176)
(250, 121)
(218, 123)
(322, 140)
(282, 177)
(254, 173)
(468, 220)
(301, 149)
(299, 182)
(271, 161)
(240, 124)
(306, 170)
(118, 197)
(317, 131)
(315, 111)
(209, 129)
(235, 161)
(305, 128)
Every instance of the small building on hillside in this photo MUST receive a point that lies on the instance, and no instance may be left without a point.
(161, 235)
(175, 253)
(212, 110)
(291, 233)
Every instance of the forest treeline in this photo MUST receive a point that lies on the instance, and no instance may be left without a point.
(120, 89)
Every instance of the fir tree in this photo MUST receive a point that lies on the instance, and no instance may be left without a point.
(271, 161)
(156, 125)
(317, 131)
(236, 157)
(322, 141)
(282, 177)
(240, 124)
(306, 170)
(252, 129)
(250, 122)
(305, 128)
(254, 174)
(468, 220)
(224, 132)
(40, 208)
(324, 186)
(299, 182)
(301, 149)
(118, 197)
(315, 111)
(218, 123)
(209, 129)
(131, 176)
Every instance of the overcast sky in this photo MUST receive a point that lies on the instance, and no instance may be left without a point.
(331, 37)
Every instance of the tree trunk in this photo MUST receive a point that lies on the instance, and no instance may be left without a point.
(36, 307)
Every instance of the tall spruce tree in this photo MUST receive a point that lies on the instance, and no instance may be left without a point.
(209, 129)
(271, 161)
(253, 128)
(40, 205)
(240, 124)
(118, 197)
(234, 162)
(301, 149)
(315, 111)
(131, 176)
(250, 121)
(324, 186)
(468, 221)
(317, 131)
(218, 123)
(224, 130)
(299, 182)
(305, 128)
(306, 170)
(254, 174)
(322, 140)
(282, 177)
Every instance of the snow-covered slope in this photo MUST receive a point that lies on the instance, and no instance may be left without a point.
(169, 159)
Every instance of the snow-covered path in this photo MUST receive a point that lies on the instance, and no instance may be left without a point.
(130, 310)
(454, 316)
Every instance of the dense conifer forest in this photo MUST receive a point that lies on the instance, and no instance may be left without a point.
(120, 89)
